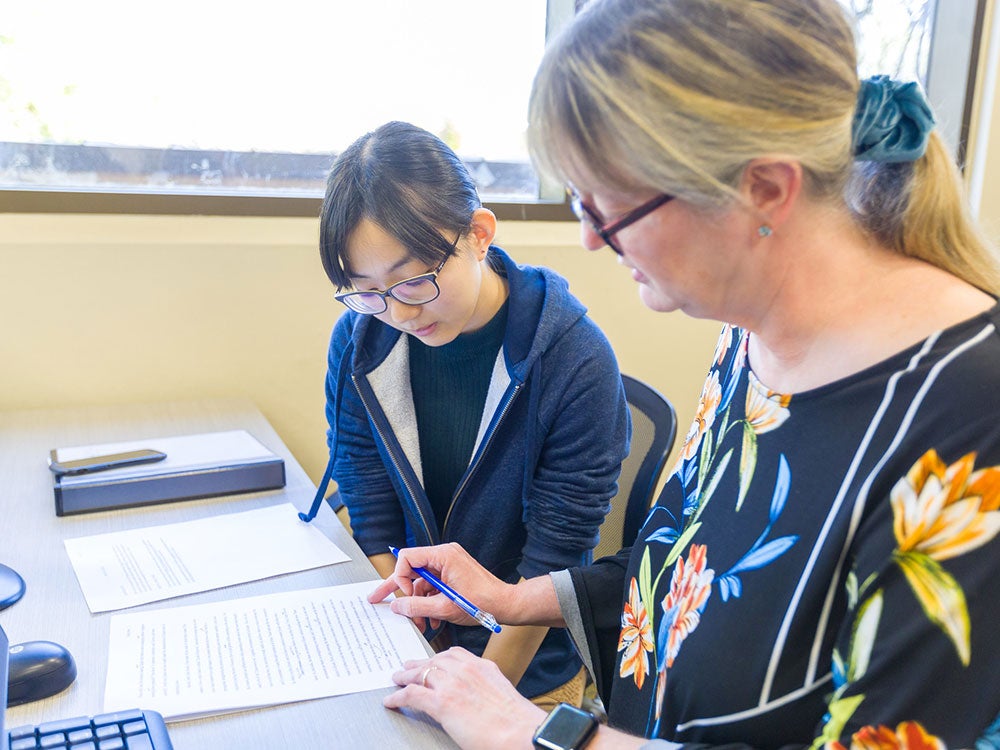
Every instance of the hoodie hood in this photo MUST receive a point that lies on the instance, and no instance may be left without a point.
(540, 310)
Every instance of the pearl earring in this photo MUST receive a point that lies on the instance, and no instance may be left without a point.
(764, 231)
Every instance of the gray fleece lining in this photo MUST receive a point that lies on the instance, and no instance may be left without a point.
(499, 381)
(391, 383)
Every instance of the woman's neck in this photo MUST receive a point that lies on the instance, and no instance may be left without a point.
(492, 294)
(845, 304)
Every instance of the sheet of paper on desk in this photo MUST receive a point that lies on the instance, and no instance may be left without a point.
(257, 651)
(127, 568)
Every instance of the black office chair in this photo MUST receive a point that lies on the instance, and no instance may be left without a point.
(654, 427)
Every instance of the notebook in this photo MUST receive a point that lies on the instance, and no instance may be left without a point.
(122, 730)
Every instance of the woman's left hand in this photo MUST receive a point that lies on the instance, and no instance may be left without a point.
(470, 698)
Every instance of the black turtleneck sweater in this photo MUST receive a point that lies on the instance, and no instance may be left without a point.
(449, 385)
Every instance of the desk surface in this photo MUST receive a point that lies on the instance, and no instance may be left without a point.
(53, 607)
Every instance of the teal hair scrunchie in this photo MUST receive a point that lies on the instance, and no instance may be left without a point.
(892, 121)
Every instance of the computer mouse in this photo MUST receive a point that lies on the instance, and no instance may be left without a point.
(11, 586)
(38, 669)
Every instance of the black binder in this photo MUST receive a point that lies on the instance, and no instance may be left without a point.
(196, 466)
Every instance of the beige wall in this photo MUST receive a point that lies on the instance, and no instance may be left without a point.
(118, 309)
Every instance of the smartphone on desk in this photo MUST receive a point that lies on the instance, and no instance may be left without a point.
(102, 463)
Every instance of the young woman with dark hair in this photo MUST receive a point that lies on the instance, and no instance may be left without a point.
(470, 399)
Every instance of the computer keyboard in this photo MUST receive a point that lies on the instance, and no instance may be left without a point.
(123, 730)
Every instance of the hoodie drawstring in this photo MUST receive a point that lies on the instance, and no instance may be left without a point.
(328, 474)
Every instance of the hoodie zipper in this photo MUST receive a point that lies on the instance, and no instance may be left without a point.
(395, 461)
(486, 444)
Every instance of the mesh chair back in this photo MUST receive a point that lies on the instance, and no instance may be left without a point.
(654, 427)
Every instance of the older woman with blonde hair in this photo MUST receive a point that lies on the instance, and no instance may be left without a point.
(822, 568)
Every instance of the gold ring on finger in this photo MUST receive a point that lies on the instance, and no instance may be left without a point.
(427, 671)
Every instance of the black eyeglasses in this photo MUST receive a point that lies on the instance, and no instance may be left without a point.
(606, 231)
(416, 290)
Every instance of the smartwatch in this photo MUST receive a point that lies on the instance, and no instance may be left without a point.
(566, 728)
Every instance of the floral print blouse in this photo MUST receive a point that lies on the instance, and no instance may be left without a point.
(822, 569)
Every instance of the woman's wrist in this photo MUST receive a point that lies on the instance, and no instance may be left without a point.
(505, 604)
(529, 602)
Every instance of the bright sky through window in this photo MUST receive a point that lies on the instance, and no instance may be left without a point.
(291, 76)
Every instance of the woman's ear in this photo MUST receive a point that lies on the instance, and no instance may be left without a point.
(483, 230)
(772, 187)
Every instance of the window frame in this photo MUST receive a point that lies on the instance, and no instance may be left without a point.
(956, 46)
(62, 201)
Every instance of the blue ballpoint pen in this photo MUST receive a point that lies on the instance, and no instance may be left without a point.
(483, 618)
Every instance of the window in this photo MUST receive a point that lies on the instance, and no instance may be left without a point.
(226, 107)
(229, 99)
(894, 37)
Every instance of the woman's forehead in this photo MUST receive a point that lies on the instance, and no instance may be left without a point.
(372, 252)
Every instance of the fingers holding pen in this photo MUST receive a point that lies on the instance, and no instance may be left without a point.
(408, 583)
(435, 607)
(454, 567)
(423, 588)
(390, 586)
(403, 577)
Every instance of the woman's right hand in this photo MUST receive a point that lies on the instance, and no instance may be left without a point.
(455, 567)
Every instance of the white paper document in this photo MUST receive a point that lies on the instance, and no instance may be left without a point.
(257, 651)
(127, 568)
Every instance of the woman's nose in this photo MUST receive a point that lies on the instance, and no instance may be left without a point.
(400, 312)
(590, 239)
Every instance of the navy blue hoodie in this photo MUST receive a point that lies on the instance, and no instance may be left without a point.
(546, 462)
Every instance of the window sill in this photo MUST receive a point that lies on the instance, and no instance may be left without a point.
(55, 201)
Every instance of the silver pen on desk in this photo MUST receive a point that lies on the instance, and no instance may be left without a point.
(485, 619)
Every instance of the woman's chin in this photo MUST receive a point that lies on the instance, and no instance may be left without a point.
(654, 300)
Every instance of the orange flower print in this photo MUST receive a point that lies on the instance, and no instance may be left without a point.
(909, 735)
(711, 396)
(636, 638)
(722, 345)
(741, 351)
(945, 511)
(940, 512)
(766, 409)
(690, 587)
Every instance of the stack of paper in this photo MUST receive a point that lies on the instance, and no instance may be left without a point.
(216, 463)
